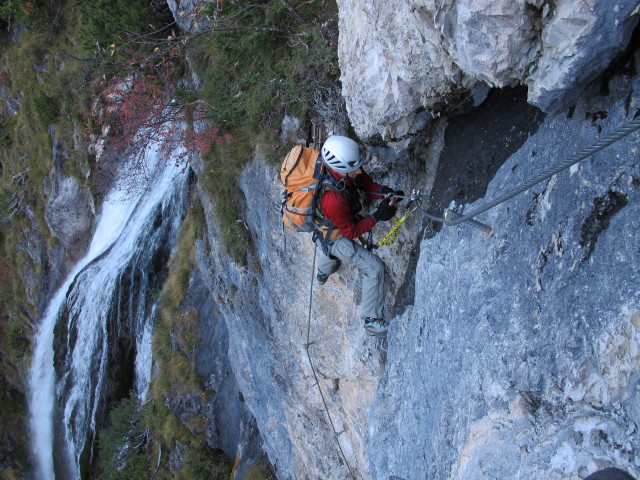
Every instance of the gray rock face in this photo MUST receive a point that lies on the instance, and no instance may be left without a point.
(265, 307)
(513, 356)
(70, 209)
(69, 214)
(577, 42)
(189, 14)
(39, 282)
(521, 354)
(232, 427)
(401, 58)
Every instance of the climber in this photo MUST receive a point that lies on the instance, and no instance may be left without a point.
(341, 205)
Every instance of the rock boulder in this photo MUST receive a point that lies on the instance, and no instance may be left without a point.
(403, 62)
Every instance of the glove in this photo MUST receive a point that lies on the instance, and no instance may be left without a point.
(384, 212)
(386, 190)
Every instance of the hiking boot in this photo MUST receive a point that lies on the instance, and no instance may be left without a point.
(376, 327)
(322, 277)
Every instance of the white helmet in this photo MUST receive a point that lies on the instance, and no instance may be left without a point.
(341, 154)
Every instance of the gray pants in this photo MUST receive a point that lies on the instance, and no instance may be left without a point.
(369, 264)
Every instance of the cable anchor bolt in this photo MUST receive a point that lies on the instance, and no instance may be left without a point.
(453, 211)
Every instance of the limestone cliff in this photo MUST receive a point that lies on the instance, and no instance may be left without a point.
(70, 208)
(512, 356)
(525, 342)
(264, 306)
(404, 61)
(519, 358)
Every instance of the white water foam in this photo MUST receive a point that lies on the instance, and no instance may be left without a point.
(121, 222)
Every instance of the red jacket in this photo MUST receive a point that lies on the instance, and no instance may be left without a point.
(337, 208)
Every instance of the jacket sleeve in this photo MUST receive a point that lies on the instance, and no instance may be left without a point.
(336, 208)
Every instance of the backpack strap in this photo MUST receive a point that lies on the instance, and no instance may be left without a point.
(324, 239)
(295, 165)
(325, 182)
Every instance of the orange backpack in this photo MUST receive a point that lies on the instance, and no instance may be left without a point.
(302, 174)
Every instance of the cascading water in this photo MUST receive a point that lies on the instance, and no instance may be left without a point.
(94, 342)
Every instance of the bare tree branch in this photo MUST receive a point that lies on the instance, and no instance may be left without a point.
(292, 11)
(246, 27)
(159, 459)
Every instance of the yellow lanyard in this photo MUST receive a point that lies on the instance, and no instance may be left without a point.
(390, 237)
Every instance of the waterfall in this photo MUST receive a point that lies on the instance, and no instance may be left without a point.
(95, 336)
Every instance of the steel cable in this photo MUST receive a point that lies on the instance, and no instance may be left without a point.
(619, 133)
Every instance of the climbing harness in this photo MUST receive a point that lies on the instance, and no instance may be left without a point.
(313, 370)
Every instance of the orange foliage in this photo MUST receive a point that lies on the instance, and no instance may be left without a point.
(142, 108)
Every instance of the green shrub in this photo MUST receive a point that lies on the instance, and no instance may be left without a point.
(220, 182)
(201, 462)
(13, 436)
(255, 76)
(18, 339)
(123, 444)
(46, 105)
(37, 15)
(118, 22)
(77, 165)
(5, 200)
(6, 133)
(177, 333)
(258, 472)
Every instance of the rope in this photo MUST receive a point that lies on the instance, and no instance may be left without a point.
(313, 368)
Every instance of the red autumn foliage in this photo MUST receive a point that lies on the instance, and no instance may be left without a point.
(27, 8)
(142, 108)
